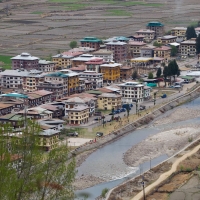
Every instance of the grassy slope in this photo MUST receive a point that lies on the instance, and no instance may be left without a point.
(6, 61)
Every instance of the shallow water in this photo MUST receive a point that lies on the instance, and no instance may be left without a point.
(107, 162)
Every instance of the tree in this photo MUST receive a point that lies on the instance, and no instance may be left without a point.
(157, 44)
(127, 109)
(198, 44)
(173, 51)
(159, 72)
(165, 74)
(150, 75)
(38, 175)
(135, 74)
(190, 32)
(73, 44)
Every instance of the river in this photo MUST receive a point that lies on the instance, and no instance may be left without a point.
(107, 162)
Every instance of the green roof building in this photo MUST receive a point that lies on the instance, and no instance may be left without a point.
(91, 42)
(156, 26)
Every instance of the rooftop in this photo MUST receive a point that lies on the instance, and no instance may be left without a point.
(109, 95)
(145, 31)
(136, 43)
(191, 41)
(166, 37)
(162, 48)
(45, 62)
(115, 42)
(24, 56)
(78, 108)
(90, 39)
(49, 132)
(180, 28)
(111, 65)
(102, 52)
(155, 23)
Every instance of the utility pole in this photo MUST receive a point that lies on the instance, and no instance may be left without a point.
(154, 98)
(136, 106)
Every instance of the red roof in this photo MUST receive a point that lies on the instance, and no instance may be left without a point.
(95, 61)
(49, 107)
(72, 53)
(162, 48)
(41, 92)
(105, 90)
(79, 68)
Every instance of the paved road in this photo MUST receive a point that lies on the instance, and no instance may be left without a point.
(166, 174)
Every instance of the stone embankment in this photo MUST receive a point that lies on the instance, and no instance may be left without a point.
(99, 142)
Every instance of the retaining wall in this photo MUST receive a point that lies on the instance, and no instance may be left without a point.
(132, 126)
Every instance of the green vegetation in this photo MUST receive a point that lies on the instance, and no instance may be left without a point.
(104, 191)
(118, 13)
(5, 61)
(28, 172)
(135, 3)
(75, 6)
(65, 1)
(73, 44)
(37, 12)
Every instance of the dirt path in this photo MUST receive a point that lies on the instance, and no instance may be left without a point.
(166, 174)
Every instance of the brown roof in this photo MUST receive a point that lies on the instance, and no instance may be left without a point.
(162, 48)
(82, 95)
(42, 92)
(79, 68)
(3, 105)
(125, 67)
(49, 107)
(105, 90)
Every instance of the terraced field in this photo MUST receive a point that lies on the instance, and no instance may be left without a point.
(43, 27)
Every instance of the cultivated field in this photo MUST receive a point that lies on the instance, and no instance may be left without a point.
(43, 27)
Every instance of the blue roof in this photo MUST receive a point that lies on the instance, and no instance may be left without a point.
(155, 23)
(15, 95)
(57, 74)
(122, 38)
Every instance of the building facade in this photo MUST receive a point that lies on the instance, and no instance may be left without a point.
(179, 32)
(46, 66)
(148, 34)
(135, 48)
(25, 61)
(163, 52)
(91, 42)
(157, 27)
(105, 54)
(79, 114)
(109, 101)
(111, 72)
(132, 92)
(81, 60)
(96, 79)
(188, 47)
(166, 39)
(120, 50)
(94, 64)
(126, 72)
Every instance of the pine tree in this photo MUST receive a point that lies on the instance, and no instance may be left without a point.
(190, 32)
(198, 44)
(159, 72)
(165, 74)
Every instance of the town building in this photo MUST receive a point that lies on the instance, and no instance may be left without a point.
(20, 78)
(73, 101)
(188, 47)
(148, 35)
(147, 92)
(48, 139)
(57, 111)
(166, 39)
(73, 81)
(25, 61)
(163, 52)
(39, 97)
(91, 42)
(120, 50)
(57, 83)
(81, 60)
(135, 48)
(5, 108)
(179, 32)
(109, 101)
(126, 72)
(138, 38)
(55, 124)
(132, 92)
(105, 54)
(78, 114)
(64, 60)
(111, 72)
(94, 64)
(78, 68)
(96, 79)
(46, 66)
(157, 27)
(83, 50)
(147, 51)
(117, 38)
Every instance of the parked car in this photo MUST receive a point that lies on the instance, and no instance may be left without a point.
(99, 134)
(185, 81)
(142, 107)
(96, 119)
(73, 134)
(164, 96)
(123, 109)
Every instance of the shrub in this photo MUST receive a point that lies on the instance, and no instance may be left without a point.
(104, 191)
